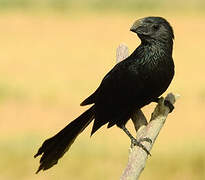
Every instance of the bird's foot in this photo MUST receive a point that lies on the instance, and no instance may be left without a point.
(146, 139)
(135, 142)
(169, 105)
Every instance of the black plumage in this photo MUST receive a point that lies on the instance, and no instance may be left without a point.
(133, 83)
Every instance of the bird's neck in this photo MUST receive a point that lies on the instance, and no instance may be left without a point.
(154, 49)
(165, 45)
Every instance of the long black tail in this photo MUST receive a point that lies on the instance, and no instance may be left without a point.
(55, 147)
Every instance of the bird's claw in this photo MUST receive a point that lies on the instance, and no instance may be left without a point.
(169, 105)
(145, 139)
(135, 142)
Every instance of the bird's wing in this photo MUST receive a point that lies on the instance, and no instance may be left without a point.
(120, 86)
(117, 96)
(116, 85)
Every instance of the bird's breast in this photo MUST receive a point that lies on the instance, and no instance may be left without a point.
(157, 75)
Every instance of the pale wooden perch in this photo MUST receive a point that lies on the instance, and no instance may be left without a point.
(137, 157)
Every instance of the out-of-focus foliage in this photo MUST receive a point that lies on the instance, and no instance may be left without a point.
(98, 5)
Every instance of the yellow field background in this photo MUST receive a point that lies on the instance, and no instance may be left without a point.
(50, 62)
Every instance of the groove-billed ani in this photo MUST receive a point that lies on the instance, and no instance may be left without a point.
(133, 83)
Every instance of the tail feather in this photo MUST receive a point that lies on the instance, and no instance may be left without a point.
(55, 147)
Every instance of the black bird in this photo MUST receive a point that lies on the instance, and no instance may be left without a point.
(133, 83)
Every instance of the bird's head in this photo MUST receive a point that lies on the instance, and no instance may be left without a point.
(153, 28)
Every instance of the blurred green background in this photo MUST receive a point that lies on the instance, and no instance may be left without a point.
(54, 54)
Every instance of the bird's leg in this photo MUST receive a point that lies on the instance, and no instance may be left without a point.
(135, 142)
(166, 103)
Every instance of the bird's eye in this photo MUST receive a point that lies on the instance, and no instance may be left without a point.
(155, 27)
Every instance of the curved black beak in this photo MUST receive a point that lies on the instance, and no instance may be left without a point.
(138, 23)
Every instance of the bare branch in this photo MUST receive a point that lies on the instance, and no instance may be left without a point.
(122, 52)
(137, 156)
